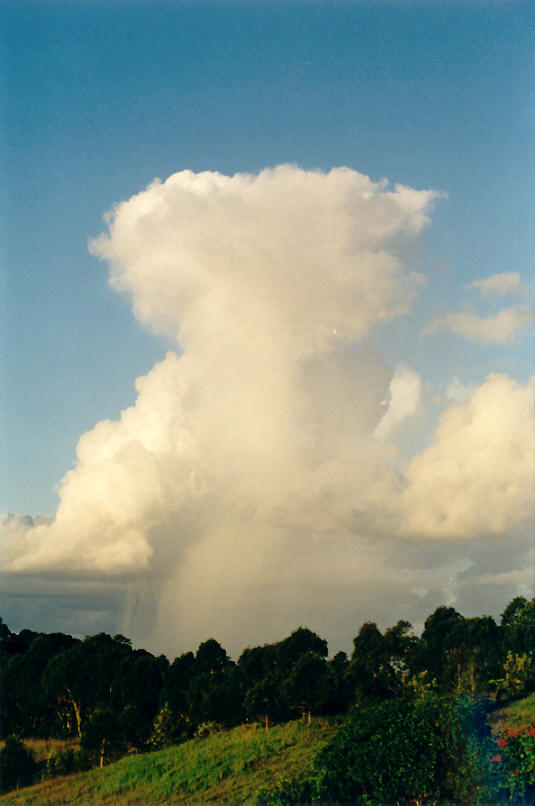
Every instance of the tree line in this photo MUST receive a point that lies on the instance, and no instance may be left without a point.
(116, 699)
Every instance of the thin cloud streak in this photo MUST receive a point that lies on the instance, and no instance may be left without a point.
(497, 329)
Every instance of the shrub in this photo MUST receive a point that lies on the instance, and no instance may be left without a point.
(17, 765)
(400, 752)
(67, 762)
(513, 766)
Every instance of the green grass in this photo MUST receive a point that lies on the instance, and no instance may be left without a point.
(229, 766)
(516, 715)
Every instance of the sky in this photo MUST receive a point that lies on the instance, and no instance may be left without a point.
(306, 229)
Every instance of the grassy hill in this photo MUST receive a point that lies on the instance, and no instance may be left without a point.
(516, 716)
(228, 766)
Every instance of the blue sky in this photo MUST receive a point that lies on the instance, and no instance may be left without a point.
(99, 98)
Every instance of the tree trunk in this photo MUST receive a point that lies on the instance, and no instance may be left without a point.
(77, 713)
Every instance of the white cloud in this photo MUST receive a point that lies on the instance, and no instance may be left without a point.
(497, 329)
(244, 492)
(405, 399)
(295, 253)
(501, 284)
(248, 460)
(458, 392)
(478, 476)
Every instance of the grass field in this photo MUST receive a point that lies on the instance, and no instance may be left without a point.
(517, 715)
(229, 766)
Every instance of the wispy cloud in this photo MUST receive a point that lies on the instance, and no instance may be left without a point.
(497, 329)
(501, 284)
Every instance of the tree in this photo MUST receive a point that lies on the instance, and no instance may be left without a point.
(102, 735)
(444, 647)
(307, 686)
(482, 652)
(371, 674)
(297, 644)
(65, 684)
(263, 700)
(518, 627)
(211, 658)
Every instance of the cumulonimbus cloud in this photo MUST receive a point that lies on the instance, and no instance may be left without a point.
(264, 280)
(254, 470)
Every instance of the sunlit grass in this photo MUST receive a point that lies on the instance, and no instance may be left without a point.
(516, 715)
(227, 766)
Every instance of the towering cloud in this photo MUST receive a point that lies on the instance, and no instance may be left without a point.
(252, 486)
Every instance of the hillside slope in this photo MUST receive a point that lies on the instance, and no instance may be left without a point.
(227, 766)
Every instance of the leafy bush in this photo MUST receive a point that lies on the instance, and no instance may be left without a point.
(400, 751)
(513, 766)
(397, 752)
(67, 762)
(17, 765)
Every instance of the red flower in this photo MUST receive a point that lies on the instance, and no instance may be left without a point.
(501, 742)
(497, 757)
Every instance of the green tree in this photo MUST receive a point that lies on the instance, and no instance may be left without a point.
(306, 688)
(444, 644)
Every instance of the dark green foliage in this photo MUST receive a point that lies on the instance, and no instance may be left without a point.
(264, 699)
(444, 647)
(67, 762)
(211, 658)
(297, 644)
(435, 750)
(306, 688)
(514, 766)
(398, 752)
(17, 765)
(103, 738)
(518, 625)
(117, 699)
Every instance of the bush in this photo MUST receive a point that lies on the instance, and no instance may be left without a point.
(401, 752)
(67, 762)
(17, 765)
(434, 750)
(513, 766)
